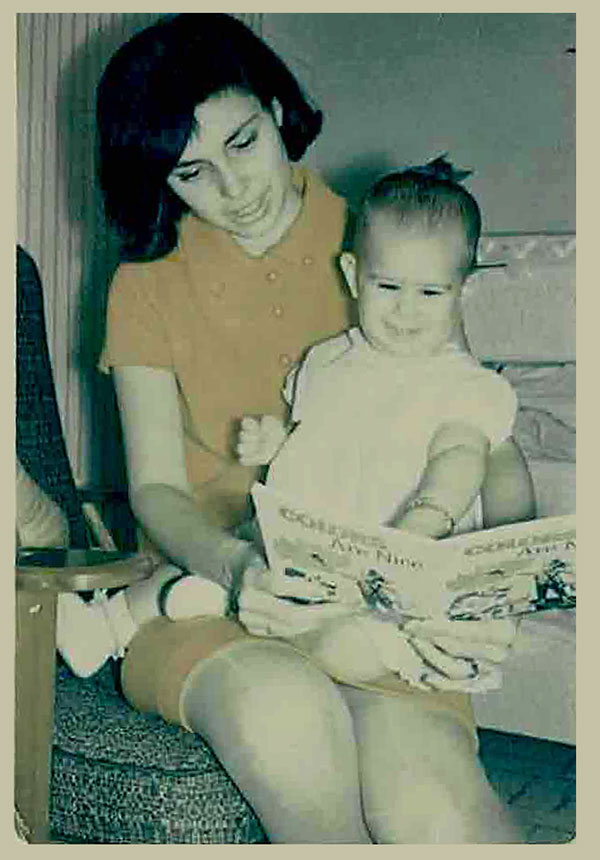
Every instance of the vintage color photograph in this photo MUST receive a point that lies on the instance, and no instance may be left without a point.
(261, 596)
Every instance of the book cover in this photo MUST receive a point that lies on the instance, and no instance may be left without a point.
(502, 572)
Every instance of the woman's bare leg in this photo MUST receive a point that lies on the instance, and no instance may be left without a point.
(283, 732)
(421, 780)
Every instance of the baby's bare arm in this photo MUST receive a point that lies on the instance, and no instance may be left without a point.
(452, 478)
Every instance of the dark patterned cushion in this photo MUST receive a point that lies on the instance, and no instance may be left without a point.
(119, 776)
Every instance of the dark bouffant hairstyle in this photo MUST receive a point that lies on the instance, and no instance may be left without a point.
(428, 196)
(145, 114)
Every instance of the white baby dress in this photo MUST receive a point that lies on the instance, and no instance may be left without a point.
(366, 419)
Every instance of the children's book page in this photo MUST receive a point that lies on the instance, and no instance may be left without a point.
(494, 573)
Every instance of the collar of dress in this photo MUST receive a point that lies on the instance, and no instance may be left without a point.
(197, 236)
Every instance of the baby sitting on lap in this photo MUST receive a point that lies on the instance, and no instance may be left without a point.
(391, 422)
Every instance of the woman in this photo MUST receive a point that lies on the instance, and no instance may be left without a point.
(228, 274)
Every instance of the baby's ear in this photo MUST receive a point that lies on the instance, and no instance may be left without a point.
(348, 267)
(469, 282)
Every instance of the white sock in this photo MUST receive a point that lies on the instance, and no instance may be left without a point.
(88, 634)
(193, 595)
(143, 596)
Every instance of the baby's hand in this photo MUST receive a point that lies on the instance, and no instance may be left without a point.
(259, 440)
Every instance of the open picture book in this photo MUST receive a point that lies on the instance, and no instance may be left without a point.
(506, 571)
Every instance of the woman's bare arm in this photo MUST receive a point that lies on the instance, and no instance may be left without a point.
(160, 494)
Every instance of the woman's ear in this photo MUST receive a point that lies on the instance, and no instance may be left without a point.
(277, 112)
(348, 267)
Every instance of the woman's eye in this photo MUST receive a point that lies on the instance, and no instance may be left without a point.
(384, 286)
(246, 141)
(192, 173)
(428, 291)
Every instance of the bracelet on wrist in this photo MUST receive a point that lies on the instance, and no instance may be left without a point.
(426, 502)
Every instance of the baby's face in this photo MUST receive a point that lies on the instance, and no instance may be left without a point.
(407, 282)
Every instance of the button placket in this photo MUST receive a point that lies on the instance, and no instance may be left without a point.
(274, 278)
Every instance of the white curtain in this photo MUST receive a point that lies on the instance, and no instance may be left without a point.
(60, 57)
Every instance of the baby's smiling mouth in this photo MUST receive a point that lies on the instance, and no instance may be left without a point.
(402, 331)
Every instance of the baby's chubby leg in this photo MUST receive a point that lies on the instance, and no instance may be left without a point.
(88, 634)
(343, 649)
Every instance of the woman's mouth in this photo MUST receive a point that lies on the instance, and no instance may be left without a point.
(254, 211)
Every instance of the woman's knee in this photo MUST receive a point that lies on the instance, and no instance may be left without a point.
(264, 690)
(283, 732)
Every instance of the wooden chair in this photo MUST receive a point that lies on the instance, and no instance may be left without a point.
(40, 577)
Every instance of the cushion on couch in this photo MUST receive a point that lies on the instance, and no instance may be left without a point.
(109, 770)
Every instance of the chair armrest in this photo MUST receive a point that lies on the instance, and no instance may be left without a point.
(83, 570)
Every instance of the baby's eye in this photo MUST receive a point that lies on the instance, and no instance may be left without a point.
(386, 286)
(432, 291)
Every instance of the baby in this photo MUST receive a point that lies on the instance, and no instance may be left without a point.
(391, 422)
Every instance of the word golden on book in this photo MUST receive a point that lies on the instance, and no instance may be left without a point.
(502, 572)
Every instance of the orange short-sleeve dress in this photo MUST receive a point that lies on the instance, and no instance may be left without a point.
(230, 326)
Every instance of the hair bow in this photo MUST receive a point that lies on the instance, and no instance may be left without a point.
(440, 168)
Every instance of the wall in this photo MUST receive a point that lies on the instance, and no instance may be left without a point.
(60, 222)
(497, 91)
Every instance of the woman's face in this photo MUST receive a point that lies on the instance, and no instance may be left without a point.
(234, 171)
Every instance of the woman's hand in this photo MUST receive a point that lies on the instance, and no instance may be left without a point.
(267, 607)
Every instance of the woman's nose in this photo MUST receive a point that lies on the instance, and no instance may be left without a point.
(232, 181)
